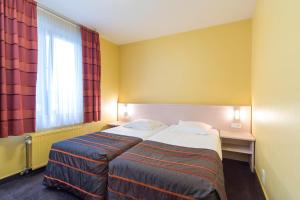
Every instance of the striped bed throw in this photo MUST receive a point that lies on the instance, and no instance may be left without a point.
(80, 165)
(153, 170)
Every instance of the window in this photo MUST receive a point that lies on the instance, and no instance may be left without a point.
(59, 93)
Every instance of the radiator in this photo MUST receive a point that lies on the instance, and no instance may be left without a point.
(38, 144)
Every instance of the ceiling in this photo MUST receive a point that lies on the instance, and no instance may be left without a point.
(125, 21)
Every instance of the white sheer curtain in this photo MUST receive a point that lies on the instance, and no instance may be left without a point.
(59, 98)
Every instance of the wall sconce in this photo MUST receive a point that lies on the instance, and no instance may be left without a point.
(237, 114)
(125, 111)
(236, 118)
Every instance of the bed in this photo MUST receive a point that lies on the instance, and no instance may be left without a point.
(80, 165)
(173, 164)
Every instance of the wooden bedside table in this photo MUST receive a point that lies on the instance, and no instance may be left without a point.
(238, 146)
(116, 123)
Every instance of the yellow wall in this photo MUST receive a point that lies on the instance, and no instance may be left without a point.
(12, 149)
(207, 66)
(110, 80)
(276, 95)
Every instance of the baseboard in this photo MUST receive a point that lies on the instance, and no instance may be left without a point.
(18, 176)
(7, 176)
(261, 185)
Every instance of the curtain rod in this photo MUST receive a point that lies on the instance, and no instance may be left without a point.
(66, 19)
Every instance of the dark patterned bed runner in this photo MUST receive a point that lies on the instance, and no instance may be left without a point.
(153, 170)
(80, 164)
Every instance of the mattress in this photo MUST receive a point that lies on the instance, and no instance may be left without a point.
(80, 165)
(170, 165)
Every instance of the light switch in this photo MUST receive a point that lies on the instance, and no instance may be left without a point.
(236, 125)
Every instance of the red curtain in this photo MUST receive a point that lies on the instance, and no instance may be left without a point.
(18, 65)
(91, 74)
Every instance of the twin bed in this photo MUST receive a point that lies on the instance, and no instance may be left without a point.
(140, 160)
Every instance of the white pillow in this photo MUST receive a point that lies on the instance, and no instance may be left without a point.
(195, 124)
(144, 124)
(194, 130)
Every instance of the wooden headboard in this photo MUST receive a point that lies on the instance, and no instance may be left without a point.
(220, 117)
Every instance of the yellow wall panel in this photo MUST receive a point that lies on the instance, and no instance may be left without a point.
(12, 155)
(276, 96)
(109, 80)
(206, 66)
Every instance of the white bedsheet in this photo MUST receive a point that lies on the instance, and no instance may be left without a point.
(143, 134)
(175, 136)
